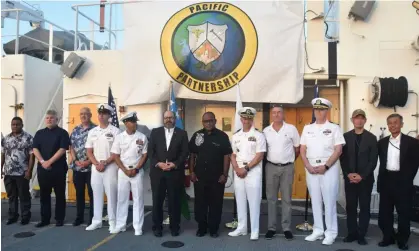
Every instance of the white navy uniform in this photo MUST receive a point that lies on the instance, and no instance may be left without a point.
(320, 140)
(131, 148)
(245, 146)
(101, 140)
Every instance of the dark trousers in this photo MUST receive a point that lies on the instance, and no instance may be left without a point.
(54, 178)
(208, 204)
(17, 188)
(358, 194)
(394, 193)
(81, 179)
(171, 182)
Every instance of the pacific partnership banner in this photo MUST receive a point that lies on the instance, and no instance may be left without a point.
(206, 48)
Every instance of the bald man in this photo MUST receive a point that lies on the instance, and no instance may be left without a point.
(81, 165)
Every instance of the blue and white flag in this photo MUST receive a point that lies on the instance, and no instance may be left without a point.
(173, 108)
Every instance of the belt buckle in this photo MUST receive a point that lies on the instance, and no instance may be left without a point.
(245, 163)
(318, 161)
(130, 167)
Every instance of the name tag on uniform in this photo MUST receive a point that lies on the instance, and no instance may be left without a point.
(109, 135)
(252, 138)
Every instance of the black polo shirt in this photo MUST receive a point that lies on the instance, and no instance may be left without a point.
(210, 150)
(49, 141)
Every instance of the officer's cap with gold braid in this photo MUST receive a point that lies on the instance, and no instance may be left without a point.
(247, 112)
(132, 117)
(321, 103)
(104, 108)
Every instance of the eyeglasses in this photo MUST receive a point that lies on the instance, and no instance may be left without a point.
(166, 118)
(208, 121)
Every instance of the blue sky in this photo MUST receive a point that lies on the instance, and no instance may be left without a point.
(60, 12)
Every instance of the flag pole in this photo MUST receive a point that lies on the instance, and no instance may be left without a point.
(306, 227)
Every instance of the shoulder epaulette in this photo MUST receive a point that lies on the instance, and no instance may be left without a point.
(237, 131)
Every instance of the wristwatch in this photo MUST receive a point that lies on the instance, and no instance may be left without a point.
(327, 167)
(247, 168)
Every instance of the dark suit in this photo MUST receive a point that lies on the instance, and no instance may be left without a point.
(396, 187)
(360, 156)
(171, 181)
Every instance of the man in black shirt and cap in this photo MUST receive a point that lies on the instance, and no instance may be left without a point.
(358, 161)
(209, 162)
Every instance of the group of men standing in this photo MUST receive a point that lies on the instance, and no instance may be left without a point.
(112, 162)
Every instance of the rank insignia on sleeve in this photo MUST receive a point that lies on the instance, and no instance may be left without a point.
(139, 142)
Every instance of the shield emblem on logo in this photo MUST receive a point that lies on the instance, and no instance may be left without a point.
(199, 139)
(206, 41)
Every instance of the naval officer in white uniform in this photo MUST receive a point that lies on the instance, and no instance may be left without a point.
(130, 154)
(321, 146)
(104, 171)
(249, 147)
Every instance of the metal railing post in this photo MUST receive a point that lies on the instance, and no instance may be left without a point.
(76, 30)
(92, 35)
(17, 33)
(110, 26)
(51, 43)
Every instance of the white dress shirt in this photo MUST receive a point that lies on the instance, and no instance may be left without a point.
(281, 144)
(393, 154)
(169, 134)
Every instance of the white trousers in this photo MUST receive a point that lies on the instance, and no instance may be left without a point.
(125, 185)
(107, 182)
(324, 189)
(249, 190)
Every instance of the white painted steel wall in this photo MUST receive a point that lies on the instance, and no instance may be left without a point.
(91, 86)
(35, 82)
(385, 52)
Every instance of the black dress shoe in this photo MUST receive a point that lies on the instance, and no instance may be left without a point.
(288, 235)
(386, 243)
(78, 223)
(11, 221)
(350, 238)
(42, 224)
(270, 234)
(175, 233)
(201, 233)
(157, 233)
(403, 246)
(59, 223)
(362, 241)
(24, 222)
(214, 235)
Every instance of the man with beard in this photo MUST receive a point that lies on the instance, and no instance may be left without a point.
(167, 150)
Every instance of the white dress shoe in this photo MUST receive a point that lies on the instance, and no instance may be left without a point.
(112, 226)
(236, 233)
(117, 230)
(93, 227)
(314, 237)
(328, 241)
(138, 232)
(254, 236)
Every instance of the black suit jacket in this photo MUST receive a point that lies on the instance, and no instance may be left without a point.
(367, 155)
(177, 153)
(409, 161)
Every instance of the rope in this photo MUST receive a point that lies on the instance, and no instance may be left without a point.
(393, 92)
